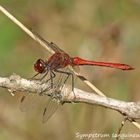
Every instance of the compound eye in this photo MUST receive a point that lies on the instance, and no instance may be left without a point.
(39, 66)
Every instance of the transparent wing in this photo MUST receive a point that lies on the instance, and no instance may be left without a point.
(53, 104)
(50, 109)
(49, 44)
(76, 69)
(29, 102)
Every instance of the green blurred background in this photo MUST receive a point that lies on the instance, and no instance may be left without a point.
(103, 30)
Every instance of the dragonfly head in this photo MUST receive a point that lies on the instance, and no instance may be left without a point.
(40, 66)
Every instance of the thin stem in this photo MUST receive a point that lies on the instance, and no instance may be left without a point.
(120, 129)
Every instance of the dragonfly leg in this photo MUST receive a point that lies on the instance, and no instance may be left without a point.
(52, 76)
(44, 75)
(68, 75)
(34, 76)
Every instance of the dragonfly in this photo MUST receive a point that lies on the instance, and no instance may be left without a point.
(31, 102)
(56, 64)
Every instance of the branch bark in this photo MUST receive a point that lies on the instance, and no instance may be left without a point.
(16, 83)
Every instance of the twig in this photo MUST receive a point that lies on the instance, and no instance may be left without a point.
(136, 124)
(120, 129)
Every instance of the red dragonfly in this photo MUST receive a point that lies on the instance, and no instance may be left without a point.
(57, 62)
(60, 60)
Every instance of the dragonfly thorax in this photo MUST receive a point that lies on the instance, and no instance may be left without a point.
(58, 60)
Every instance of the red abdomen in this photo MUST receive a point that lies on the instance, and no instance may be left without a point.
(80, 61)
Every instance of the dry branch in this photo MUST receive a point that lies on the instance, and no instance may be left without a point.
(129, 109)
